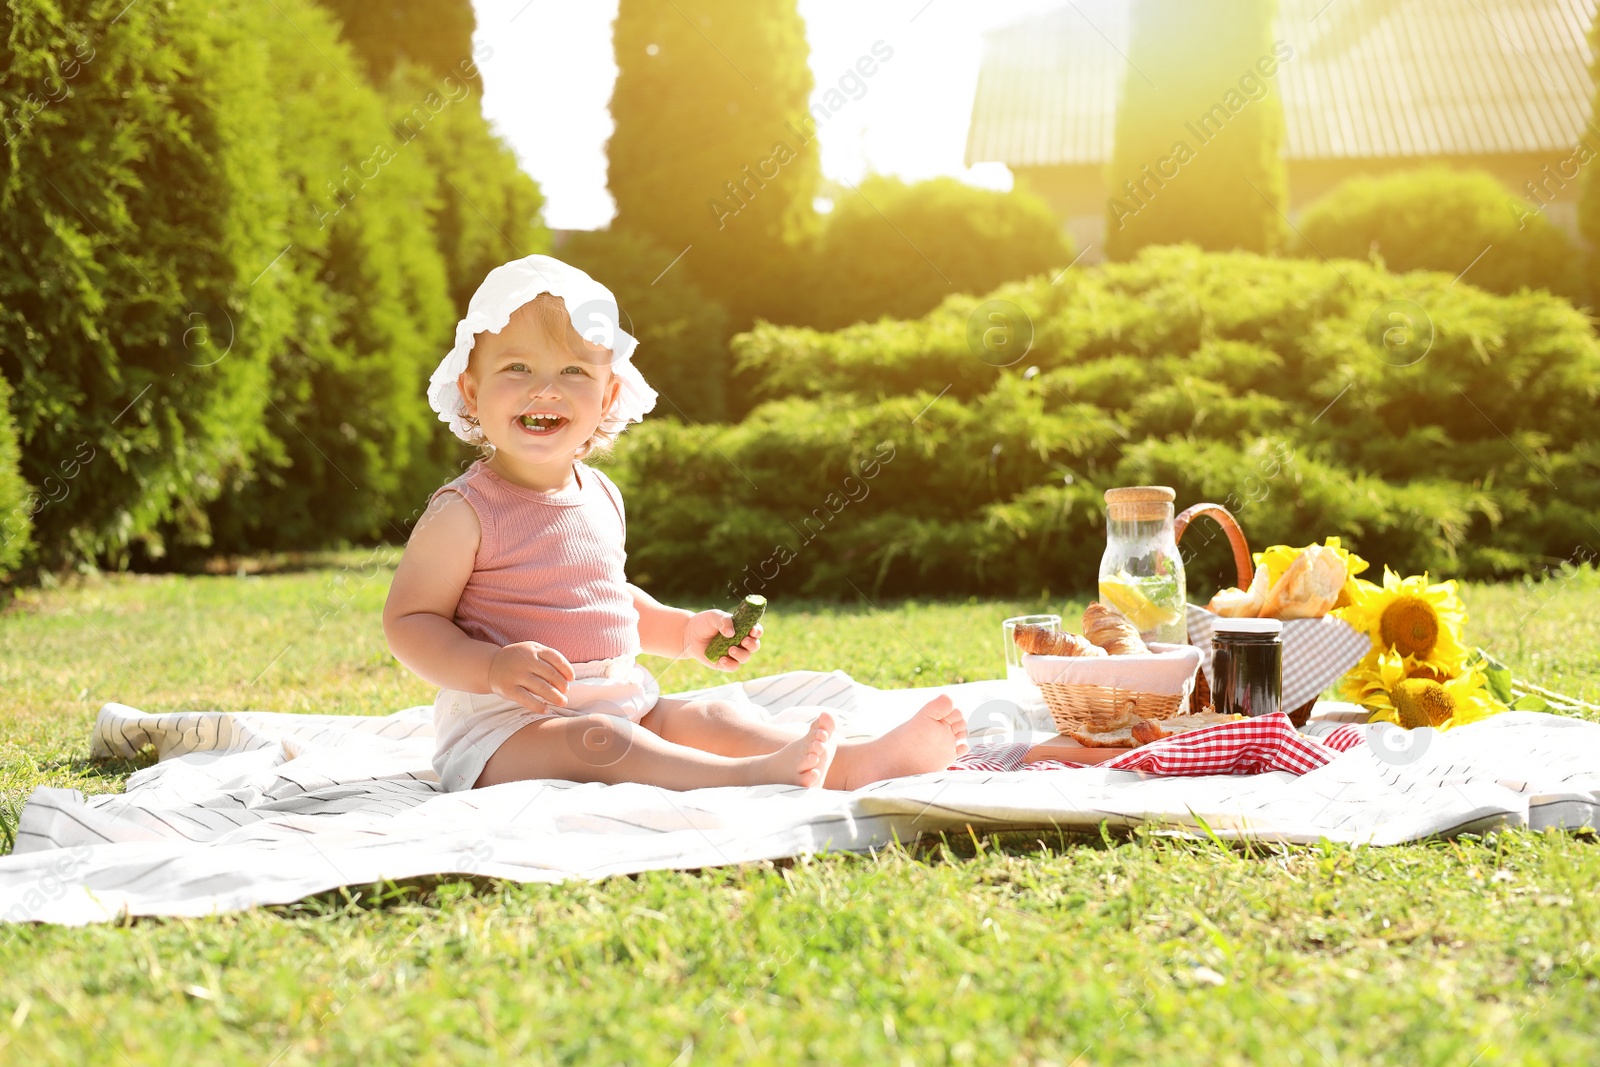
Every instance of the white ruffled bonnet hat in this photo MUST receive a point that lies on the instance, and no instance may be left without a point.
(594, 315)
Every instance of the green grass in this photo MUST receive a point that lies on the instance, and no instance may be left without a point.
(1009, 948)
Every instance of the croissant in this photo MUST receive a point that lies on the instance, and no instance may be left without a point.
(1110, 629)
(1043, 642)
(1309, 588)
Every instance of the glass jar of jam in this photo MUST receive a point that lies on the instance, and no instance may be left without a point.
(1247, 666)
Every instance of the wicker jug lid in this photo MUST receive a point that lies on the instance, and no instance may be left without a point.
(1136, 503)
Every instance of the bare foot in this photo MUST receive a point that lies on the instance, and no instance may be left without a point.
(928, 741)
(803, 761)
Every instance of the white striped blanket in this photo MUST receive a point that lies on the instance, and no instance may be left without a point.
(248, 808)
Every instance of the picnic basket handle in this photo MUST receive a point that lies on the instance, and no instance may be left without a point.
(1230, 526)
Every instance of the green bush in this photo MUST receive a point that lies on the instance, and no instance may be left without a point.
(18, 503)
(897, 249)
(1459, 222)
(1277, 387)
(683, 334)
(137, 215)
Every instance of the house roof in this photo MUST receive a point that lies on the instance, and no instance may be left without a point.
(1369, 79)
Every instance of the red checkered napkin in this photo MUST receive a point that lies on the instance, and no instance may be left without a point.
(1245, 746)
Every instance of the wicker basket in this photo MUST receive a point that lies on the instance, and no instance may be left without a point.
(1166, 678)
(1315, 652)
(1097, 708)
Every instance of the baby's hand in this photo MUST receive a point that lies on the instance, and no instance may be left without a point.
(530, 674)
(701, 628)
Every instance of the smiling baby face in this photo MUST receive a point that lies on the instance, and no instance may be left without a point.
(537, 388)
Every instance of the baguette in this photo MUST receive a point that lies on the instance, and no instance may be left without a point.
(1242, 603)
(1309, 588)
(1145, 732)
(1122, 737)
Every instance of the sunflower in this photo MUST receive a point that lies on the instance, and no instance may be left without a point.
(1278, 557)
(1412, 618)
(1411, 694)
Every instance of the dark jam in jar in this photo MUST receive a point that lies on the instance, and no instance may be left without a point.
(1247, 666)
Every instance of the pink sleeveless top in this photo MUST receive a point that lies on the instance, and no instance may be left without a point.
(549, 566)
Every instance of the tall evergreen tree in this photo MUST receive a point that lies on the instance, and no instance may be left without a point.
(714, 150)
(1199, 134)
(138, 210)
(435, 34)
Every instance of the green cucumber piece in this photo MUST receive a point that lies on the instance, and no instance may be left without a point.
(745, 616)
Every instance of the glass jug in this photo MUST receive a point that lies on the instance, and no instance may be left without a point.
(1141, 573)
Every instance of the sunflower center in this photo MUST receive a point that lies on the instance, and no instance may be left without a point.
(1410, 626)
(1422, 702)
(1426, 671)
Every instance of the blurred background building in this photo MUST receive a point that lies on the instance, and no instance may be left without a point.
(1374, 86)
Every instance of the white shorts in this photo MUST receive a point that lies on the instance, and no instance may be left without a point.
(469, 727)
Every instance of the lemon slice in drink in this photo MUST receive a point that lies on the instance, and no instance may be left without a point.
(1128, 598)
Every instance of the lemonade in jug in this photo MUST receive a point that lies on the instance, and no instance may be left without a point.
(1141, 573)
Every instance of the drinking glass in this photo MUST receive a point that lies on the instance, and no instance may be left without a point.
(1014, 669)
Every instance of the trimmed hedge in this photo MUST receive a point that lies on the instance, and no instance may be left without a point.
(1264, 384)
(1446, 220)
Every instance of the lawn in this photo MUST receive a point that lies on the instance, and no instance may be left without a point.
(1026, 948)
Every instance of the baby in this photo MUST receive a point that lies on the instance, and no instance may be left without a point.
(511, 595)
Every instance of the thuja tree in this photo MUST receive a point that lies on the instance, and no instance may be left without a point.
(351, 451)
(1199, 131)
(715, 153)
(433, 34)
(137, 220)
(487, 210)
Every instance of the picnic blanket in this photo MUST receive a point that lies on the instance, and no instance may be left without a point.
(247, 808)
